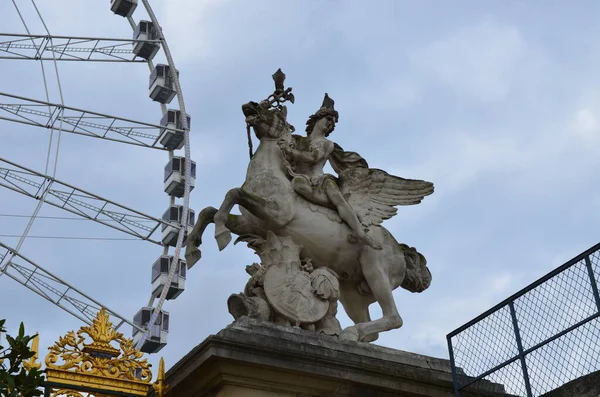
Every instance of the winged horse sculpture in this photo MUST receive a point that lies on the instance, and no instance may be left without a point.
(368, 271)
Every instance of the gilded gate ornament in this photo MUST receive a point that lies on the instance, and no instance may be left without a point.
(97, 356)
(160, 386)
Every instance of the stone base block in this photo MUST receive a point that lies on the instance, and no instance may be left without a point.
(252, 359)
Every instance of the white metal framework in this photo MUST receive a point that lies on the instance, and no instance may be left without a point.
(52, 288)
(49, 116)
(77, 201)
(65, 48)
(47, 189)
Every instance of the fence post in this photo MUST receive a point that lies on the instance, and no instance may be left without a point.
(513, 314)
(590, 270)
(453, 366)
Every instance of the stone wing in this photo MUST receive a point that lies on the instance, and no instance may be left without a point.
(374, 194)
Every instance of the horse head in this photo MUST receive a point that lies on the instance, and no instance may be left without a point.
(268, 123)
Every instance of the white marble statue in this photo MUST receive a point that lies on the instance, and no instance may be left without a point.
(335, 221)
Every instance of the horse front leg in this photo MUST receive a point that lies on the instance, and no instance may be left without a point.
(273, 213)
(238, 224)
(192, 252)
(222, 233)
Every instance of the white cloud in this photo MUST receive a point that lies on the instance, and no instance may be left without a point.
(562, 147)
(477, 61)
(461, 158)
(585, 123)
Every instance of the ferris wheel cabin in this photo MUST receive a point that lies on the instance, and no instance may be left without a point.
(175, 177)
(162, 86)
(170, 231)
(171, 136)
(124, 8)
(160, 276)
(158, 333)
(145, 31)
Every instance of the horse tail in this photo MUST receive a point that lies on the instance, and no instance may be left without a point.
(418, 276)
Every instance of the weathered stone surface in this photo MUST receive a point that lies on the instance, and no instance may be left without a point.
(249, 359)
(294, 293)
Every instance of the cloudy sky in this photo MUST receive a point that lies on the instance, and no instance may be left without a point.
(497, 103)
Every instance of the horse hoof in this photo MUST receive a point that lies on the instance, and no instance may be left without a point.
(223, 239)
(192, 256)
(370, 338)
(350, 333)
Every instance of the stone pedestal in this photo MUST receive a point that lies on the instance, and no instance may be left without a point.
(251, 359)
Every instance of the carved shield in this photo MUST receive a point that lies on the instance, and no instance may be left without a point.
(290, 292)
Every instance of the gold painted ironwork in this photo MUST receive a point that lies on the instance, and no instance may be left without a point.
(32, 362)
(160, 386)
(99, 364)
(73, 393)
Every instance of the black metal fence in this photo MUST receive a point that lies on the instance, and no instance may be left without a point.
(537, 340)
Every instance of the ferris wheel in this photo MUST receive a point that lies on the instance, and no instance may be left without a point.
(168, 132)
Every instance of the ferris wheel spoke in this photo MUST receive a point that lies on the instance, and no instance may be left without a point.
(82, 122)
(3, 254)
(69, 48)
(52, 288)
(79, 202)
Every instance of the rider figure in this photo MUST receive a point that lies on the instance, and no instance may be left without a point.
(308, 158)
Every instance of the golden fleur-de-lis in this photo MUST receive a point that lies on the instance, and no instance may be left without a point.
(32, 362)
(101, 330)
(102, 333)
